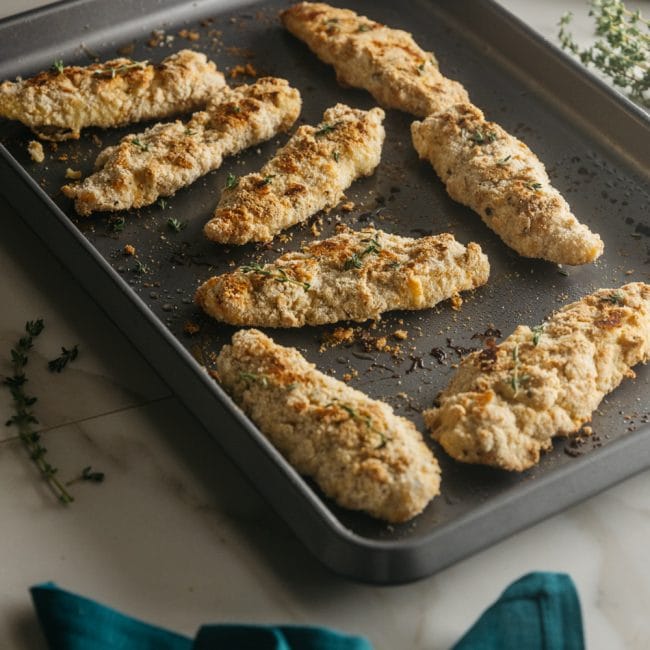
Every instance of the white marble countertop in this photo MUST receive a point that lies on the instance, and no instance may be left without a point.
(178, 537)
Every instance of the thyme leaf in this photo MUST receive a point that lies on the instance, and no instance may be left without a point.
(136, 142)
(58, 364)
(479, 137)
(251, 377)
(356, 261)
(326, 128)
(232, 181)
(279, 275)
(615, 298)
(533, 185)
(175, 224)
(538, 330)
(58, 66)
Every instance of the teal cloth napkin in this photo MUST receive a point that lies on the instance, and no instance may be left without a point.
(540, 611)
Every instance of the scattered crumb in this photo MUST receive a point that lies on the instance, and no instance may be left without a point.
(190, 35)
(72, 174)
(96, 140)
(62, 157)
(191, 328)
(401, 335)
(126, 50)
(456, 302)
(348, 206)
(247, 70)
(129, 249)
(314, 229)
(587, 430)
(35, 150)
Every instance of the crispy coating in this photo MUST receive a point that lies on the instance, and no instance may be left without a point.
(351, 276)
(506, 402)
(366, 54)
(57, 104)
(357, 450)
(308, 174)
(500, 178)
(169, 156)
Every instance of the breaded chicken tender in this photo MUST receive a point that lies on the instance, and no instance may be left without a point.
(169, 156)
(57, 104)
(351, 276)
(500, 178)
(357, 450)
(505, 403)
(366, 54)
(308, 174)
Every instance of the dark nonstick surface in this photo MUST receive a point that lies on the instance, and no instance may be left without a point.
(590, 165)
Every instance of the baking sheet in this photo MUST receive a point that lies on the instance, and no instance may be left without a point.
(599, 167)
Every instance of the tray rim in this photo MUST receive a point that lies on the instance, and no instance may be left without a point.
(386, 561)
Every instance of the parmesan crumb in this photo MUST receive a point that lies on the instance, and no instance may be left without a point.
(129, 249)
(72, 174)
(35, 150)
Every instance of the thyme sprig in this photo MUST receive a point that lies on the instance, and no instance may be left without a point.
(356, 261)
(622, 51)
(279, 275)
(517, 379)
(24, 418)
(112, 71)
(538, 330)
(58, 364)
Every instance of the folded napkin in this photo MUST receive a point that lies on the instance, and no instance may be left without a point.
(540, 611)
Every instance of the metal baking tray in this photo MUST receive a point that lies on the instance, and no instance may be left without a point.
(594, 142)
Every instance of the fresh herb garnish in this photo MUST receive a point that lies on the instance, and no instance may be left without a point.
(162, 204)
(235, 109)
(254, 377)
(503, 161)
(364, 27)
(87, 474)
(58, 364)
(538, 330)
(279, 275)
(356, 261)
(421, 67)
(615, 298)
(111, 71)
(58, 66)
(326, 128)
(483, 138)
(189, 131)
(517, 379)
(533, 185)
(141, 145)
(141, 268)
(24, 418)
(266, 180)
(117, 225)
(175, 224)
(231, 181)
(623, 50)
(336, 155)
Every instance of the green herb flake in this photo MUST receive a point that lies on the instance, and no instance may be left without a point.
(364, 27)
(140, 268)
(326, 128)
(252, 377)
(232, 181)
(503, 161)
(87, 474)
(615, 298)
(58, 66)
(517, 379)
(175, 224)
(336, 155)
(533, 185)
(136, 142)
(538, 330)
(117, 225)
(267, 180)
